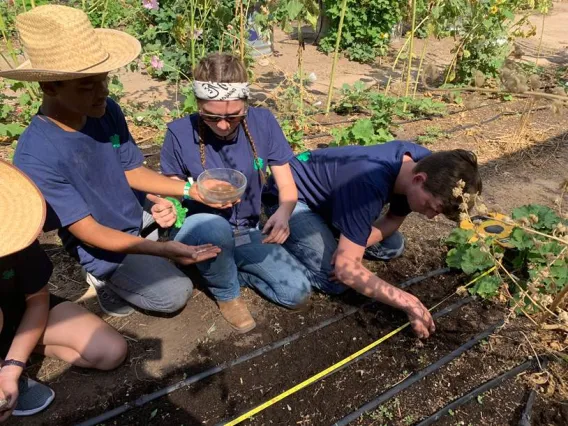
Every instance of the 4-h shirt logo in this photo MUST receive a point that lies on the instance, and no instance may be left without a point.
(115, 140)
(304, 156)
(258, 163)
(9, 274)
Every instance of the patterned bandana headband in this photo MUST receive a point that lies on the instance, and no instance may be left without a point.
(211, 91)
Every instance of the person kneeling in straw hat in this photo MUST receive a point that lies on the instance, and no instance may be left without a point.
(79, 152)
(32, 320)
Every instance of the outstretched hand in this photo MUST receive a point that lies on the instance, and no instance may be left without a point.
(188, 255)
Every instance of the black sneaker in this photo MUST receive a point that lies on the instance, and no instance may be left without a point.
(391, 248)
(111, 303)
(34, 397)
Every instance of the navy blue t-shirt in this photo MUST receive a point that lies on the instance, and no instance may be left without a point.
(349, 186)
(81, 174)
(180, 157)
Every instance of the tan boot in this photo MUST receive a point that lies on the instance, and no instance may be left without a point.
(237, 315)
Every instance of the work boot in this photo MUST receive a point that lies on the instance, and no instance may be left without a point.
(237, 315)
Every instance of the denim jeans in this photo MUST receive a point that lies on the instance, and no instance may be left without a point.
(268, 268)
(150, 282)
(312, 241)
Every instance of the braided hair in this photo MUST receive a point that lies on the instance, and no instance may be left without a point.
(224, 68)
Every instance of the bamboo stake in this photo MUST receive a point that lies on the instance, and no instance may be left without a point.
(300, 66)
(335, 56)
(242, 47)
(104, 14)
(422, 55)
(409, 70)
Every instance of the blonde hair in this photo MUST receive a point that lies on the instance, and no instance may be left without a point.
(224, 68)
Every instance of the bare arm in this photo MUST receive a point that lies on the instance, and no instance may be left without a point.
(350, 270)
(277, 226)
(287, 190)
(28, 334)
(94, 234)
(149, 181)
(384, 227)
(30, 329)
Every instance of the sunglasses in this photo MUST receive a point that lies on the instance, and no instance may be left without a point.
(230, 118)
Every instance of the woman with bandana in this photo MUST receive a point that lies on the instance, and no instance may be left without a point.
(227, 133)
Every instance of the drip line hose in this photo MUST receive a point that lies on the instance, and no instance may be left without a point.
(527, 411)
(144, 399)
(385, 396)
(435, 316)
(477, 391)
(338, 366)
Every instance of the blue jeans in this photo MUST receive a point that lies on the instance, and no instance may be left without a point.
(268, 268)
(312, 241)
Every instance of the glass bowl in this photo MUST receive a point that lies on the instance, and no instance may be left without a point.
(221, 186)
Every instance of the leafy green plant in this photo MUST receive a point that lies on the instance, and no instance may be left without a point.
(431, 135)
(366, 29)
(484, 30)
(294, 133)
(366, 131)
(18, 103)
(533, 268)
(360, 99)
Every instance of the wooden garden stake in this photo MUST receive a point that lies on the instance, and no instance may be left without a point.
(242, 30)
(409, 70)
(336, 55)
(300, 66)
(420, 67)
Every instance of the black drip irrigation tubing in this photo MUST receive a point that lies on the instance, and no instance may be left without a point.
(439, 314)
(385, 396)
(527, 411)
(477, 391)
(144, 399)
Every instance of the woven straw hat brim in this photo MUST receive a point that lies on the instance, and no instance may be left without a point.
(121, 47)
(22, 210)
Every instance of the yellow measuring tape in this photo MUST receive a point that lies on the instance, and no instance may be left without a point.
(335, 366)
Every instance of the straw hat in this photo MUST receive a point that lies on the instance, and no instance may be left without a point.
(22, 210)
(61, 44)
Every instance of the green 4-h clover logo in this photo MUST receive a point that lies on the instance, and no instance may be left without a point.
(6, 275)
(115, 140)
(258, 163)
(304, 156)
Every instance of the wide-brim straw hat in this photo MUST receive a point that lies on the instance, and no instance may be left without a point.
(22, 210)
(61, 44)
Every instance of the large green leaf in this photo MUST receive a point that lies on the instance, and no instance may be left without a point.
(294, 7)
(363, 130)
(547, 218)
(11, 130)
(459, 236)
(487, 286)
(476, 260)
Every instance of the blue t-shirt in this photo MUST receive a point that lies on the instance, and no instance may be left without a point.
(348, 186)
(180, 157)
(81, 174)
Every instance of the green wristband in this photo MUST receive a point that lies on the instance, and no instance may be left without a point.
(186, 189)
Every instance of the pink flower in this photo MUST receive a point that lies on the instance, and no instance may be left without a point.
(156, 63)
(197, 33)
(150, 4)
